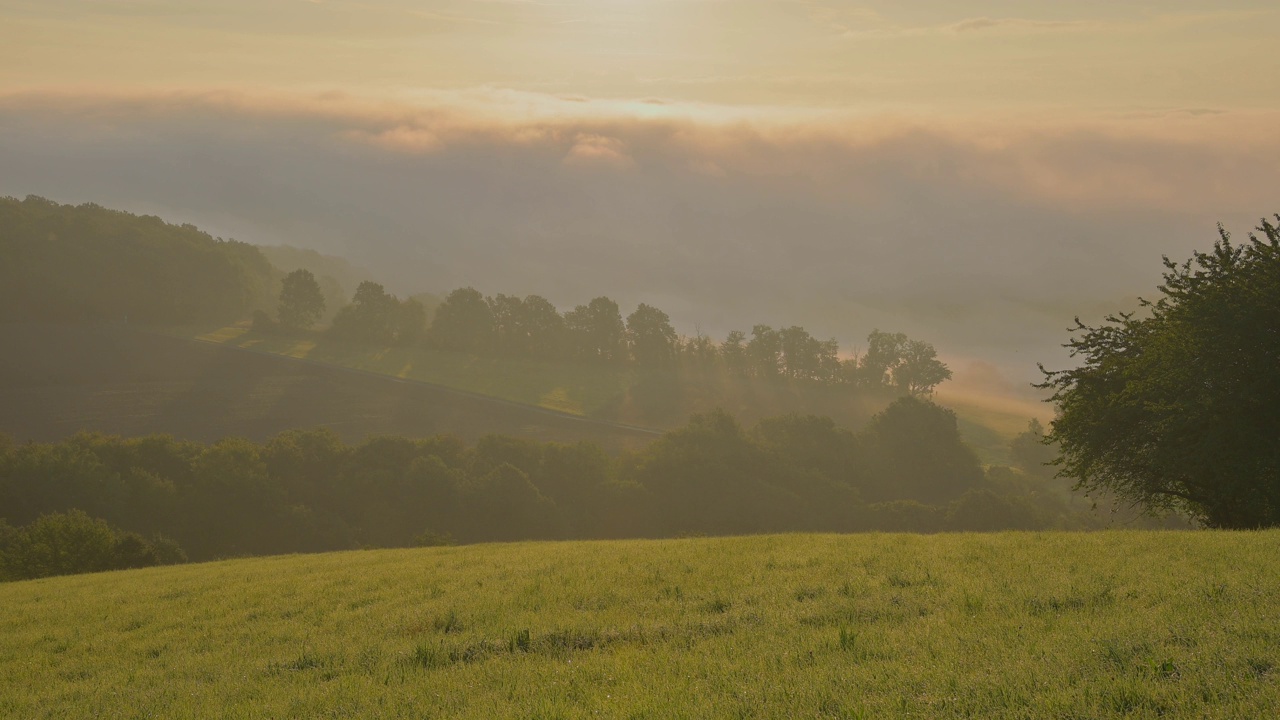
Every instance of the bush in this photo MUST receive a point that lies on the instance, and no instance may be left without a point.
(72, 542)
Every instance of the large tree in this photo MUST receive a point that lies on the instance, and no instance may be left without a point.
(301, 301)
(596, 330)
(893, 359)
(1178, 406)
(369, 317)
(464, 321)
(651, 337)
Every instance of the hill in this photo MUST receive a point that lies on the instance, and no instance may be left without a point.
(87, 263)
(1100, 625)
(619, 393)
(58, 380)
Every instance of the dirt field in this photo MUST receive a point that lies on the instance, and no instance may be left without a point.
(58, 380)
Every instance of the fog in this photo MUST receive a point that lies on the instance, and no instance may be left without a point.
(983, 237)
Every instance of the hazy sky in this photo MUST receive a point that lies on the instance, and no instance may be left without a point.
(928, 54)
(972, 172)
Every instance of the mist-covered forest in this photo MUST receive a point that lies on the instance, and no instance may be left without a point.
(306, 491)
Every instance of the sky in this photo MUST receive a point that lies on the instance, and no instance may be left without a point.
(974, 173)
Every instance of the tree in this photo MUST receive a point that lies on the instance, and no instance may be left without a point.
(913, 451)
(72, 542)
(651, 337)
(919, 370)
(301, 301)
(893, 359)
(1178, 407)
(734, 351)
(544, 326)
(370, 315)
(764, 351)
(596, 330)
(464, 321)
(799, 352)
(884, 352)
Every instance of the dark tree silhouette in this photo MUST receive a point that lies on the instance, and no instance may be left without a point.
(1179, 407)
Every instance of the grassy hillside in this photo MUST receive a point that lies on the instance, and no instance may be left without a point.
(1120, 624)
(577, 389)
(987, 423)
(58, 380)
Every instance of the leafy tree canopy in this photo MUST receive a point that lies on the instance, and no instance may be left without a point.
(301, 301)
(1178, 406)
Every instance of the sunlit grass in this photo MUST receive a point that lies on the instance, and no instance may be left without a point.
(875, 626)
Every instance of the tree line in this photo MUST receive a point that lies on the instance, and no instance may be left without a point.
(306, 491)
(85, 263)
(468, 321)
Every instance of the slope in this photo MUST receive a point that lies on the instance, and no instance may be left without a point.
(1100, 625)
(59, 380)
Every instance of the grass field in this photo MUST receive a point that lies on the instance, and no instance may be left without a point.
(1116, 624)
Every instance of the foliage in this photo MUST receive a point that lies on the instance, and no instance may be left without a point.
(911, 366)
(595, 331)
(378, 317)
(301, 301)
(306, 491)
(914, 452)
(72, 542)
(1003, 626)
(464, 321)
(650, 337)
(86, 263)
(1179, 407)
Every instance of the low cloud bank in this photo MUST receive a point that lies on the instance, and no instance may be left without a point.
(983, 236)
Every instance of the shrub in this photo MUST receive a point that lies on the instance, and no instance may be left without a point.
(72, 542)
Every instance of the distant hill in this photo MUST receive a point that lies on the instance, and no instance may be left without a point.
(93, 266)
(59, 380)
(89, 264)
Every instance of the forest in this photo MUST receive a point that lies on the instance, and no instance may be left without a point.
(306, 491)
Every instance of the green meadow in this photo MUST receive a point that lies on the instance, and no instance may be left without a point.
(1101, 625)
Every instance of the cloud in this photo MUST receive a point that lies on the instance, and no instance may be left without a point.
(984, 236)
(986, 23)
(591, 150)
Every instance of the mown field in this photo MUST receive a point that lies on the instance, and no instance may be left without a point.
(1102, 625)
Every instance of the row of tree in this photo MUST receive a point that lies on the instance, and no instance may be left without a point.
(468, 321)
(307, 491)
(87, 263)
